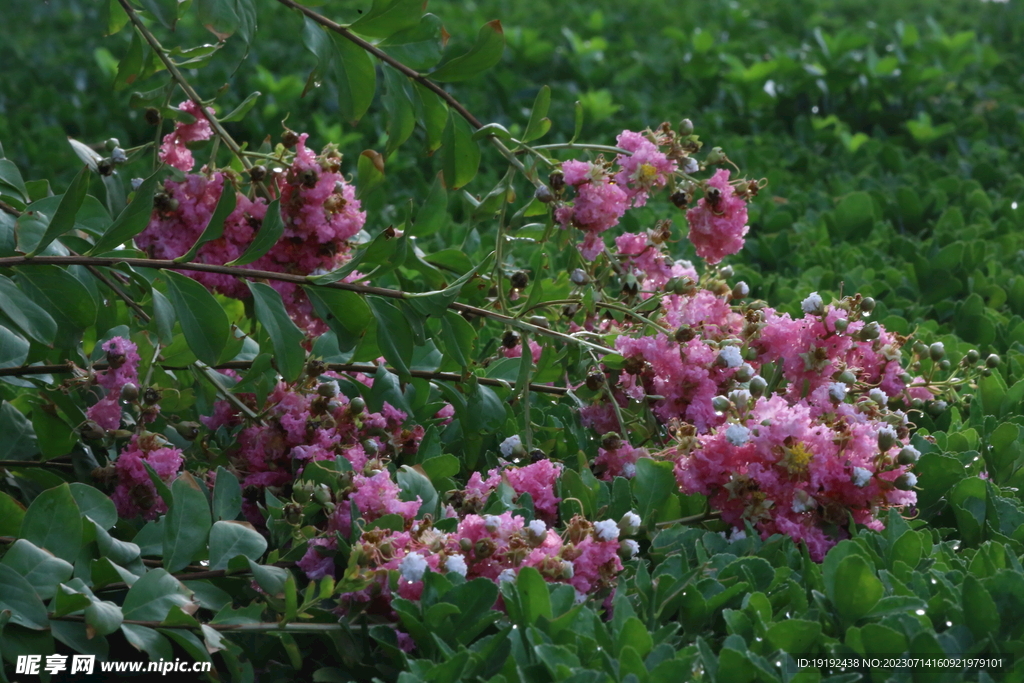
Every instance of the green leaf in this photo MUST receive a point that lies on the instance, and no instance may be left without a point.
(284, 335)
(854, 216)
(46, 523)
(39, 567)
(369, 172)
(634, 634)
(64, 218)
(539, 124)
(415, 485)
(20, 598)
(485, 53)
(215, 227)
(10, 179)
(458, 336)
(103, 616)
(398, 103)
(435, 117)
(534, 595)
(229, 539)
(153, 596)
(858, 590)
(149, 641)
(227, 496)
(433, 215)
(131, 221)
(460, 154)
(60, 293)
(394, 336)
(203, 320)
(13, 349)
(92, 503)
(794, 636)
(387, 17)
(187, 524)
(239, 112)
(30, 317)
(653, 484)
(12, 514)
(980, 612)
(352, 69)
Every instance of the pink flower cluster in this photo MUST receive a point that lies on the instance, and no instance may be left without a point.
(173, 150)
(599, 204)
(319, 210)
(718, 223)
(135, 493)
(123, 368)
(540, 480)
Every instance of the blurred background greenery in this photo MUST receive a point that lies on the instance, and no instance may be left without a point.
(889, 131)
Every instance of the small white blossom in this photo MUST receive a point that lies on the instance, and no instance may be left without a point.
(509, 445)
(731, 357)
(580, 598)
(737, 435)
(629, 470)
(538, 527)
(690, 166)
(413, 567)
(492, 523)
(629, 547)
(813, 304)
(136, 183)
(507, 575)
(456, 564)
(802, 501)
(860, 477)
(878, 396)
(568, 570)
(837, 392)
(606, 530)
(630, 523)
(740, 398)
(911, 479)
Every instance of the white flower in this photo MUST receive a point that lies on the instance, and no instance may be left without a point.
(860, 477)
(630, 523)
(802, 502)
(737, 535)
(509, 445)
(492, 523)
(568, 570)
(456, 564)
(837, 392)
(629, 470)
(878, 396)
(731, 357)
(412, 567)
(606, 530)
(813, 304)
(580, 598)
(737, 435)
(538, 527)
(740, 398)
(690, 166)
(507, 575)
(629, 547)
(911, 479)
(136, 183)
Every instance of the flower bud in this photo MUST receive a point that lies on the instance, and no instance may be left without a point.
(630, 523)
(683, 334)
(628, 549)
(579, 277)
(595, 380)
(257, 173)
(715, 156)
(302, 492)
(520, 279)
(944, 364)
(293, 514)
(973, 356)
(118, 156)
(557, 181)
(886, 438)
(544, 194)
(187, 430)
(356, 405)
(741, 290)
(322, 494)
(150, 396)
(510, 340)
(842, 324)
(905, 481)
(484, 548)
(993, 361)
(328, 389)
(130, 393)
(937, 351)
(539, 321)
(908, 455)
(846, 377)
(686, 127)
(721, 404)
(869, 332)
(758, 385)
(726, 272)
(289, 139)
(153, 116)
(920, 348)
(744, 373)
(611, 441)
(936, 408)
(867, 304)
(91, 431)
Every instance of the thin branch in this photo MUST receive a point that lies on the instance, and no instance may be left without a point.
(161, 264)
(262, 627)
(366, 368)
(26, 463)
(190, 92)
